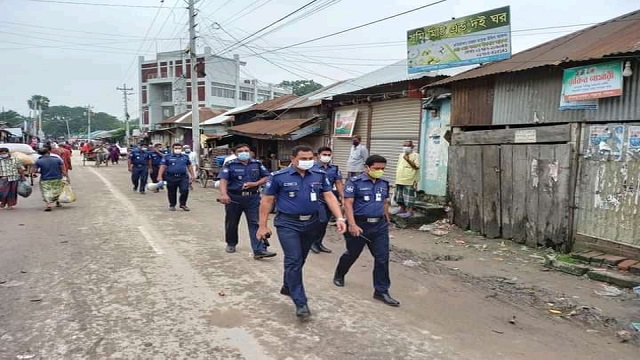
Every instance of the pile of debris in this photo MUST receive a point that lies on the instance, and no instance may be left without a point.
(438, 228)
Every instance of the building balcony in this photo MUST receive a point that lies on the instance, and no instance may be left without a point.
(159, 79)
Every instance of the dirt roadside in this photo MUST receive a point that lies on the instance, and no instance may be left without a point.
(514, 274)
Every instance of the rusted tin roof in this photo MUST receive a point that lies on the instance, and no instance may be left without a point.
(267, 105)
(612, 37)
(205, 113)
(270, 127)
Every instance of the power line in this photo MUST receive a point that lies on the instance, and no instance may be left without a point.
(235, 16)
(98, 4)
(301, 17)
(265, 59)
(360, 26)
(145, 37)
(240, 42)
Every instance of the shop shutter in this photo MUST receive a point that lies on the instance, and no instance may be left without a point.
(342, 146)
(393, 122)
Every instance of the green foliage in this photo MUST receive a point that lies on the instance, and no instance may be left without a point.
(12, 118)
(38, 99)
(54, 121)
(302, 87)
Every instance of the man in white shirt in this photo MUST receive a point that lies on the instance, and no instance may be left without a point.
(357, 157)
(192, 158)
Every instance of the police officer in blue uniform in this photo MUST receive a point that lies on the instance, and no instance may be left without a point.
(176, 171)
(240, 180)
(335, 179)
(366, 202)
(139, 165)
(156, 154)
(296, 191)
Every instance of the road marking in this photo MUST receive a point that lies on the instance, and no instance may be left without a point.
(144, 228)
(149, 239)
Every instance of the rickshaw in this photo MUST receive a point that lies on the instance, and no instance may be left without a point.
(99, 155)
(209, 169)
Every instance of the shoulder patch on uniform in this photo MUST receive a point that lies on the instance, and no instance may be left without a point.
(318, 170)
(279, 172)
(349, 188)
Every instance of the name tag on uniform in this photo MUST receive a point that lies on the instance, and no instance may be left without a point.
(314, 196)
(292, 194)
(366, 198)
(378, 197)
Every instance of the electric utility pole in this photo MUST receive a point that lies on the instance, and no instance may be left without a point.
(195, 106)
(89, 123)
(125, 93)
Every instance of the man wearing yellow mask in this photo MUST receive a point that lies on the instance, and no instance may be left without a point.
(366, 203)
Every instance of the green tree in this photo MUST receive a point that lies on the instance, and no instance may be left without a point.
(302, 87)
(12, 118)
(38, 99)
(54, 121)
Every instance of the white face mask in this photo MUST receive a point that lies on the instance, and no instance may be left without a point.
(177, 151)
(305, 164)
(407, 150)
(325, 159)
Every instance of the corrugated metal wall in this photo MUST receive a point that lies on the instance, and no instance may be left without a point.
(435, 150)
(393, 122)
(521, 97)
(608, 191)
(342, 146)
(472, 102)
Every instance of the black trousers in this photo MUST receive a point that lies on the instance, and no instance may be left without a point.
(173, 186)
(154, 173)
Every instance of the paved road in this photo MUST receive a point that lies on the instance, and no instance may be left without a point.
(117, 276)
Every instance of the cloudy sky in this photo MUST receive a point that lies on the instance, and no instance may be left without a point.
(78, 54)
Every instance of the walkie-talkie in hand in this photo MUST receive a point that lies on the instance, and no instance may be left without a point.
(265, 239)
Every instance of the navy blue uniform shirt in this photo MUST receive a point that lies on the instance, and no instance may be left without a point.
(176, 164)
(333, 174)
(296, 195)
(139, 157)
(236, 173)
(156, 158)
(368, 197)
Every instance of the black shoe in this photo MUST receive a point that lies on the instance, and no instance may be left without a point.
(172, 208)
(142, 193)
(302, 311)
(387, 299)
(135, 189)
(324, 249)
(315, 249)
(338, 281)
(263, 254)
(231, 249)
(185, 208)
(285, 291)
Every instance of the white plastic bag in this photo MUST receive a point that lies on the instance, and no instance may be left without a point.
(67, 195)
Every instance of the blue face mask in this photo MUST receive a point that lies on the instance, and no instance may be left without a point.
(244, 156)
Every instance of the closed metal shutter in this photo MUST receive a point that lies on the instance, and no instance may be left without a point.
(342, 146)
(393, 122)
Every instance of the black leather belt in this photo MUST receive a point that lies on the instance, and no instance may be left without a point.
(244, 193)
(371, 220)
(299, 217)
(176, 175)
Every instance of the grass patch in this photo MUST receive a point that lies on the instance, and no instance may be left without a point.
(567, 259)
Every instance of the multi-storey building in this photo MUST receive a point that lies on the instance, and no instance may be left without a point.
(165, 85)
